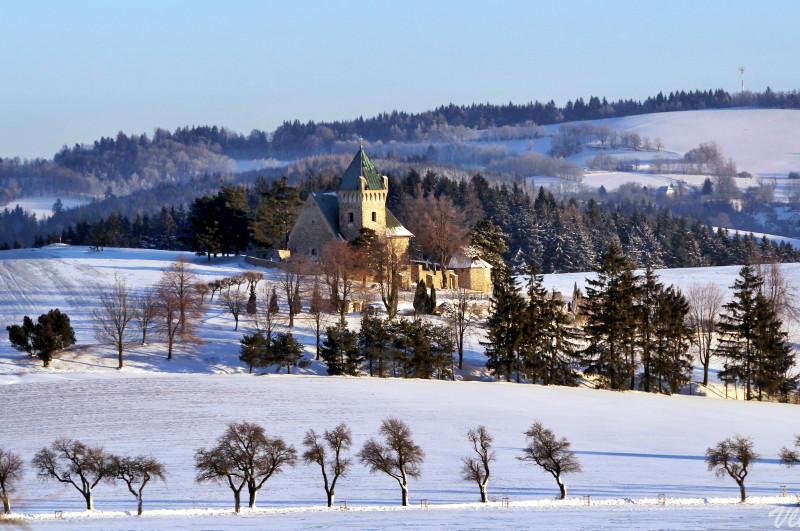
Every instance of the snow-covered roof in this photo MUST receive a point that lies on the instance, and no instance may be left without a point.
(467, 262)
(398, 232)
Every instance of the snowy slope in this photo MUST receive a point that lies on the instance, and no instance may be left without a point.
(632, 445)
(763, 141)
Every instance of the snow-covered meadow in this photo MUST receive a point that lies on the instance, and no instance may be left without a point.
(633, 446)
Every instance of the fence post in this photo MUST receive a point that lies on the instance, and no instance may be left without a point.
(588, 500)
(343, 505)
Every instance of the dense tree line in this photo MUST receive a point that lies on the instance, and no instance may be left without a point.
(127, 163)
(556, 235)
(563, 236)
(630, 331)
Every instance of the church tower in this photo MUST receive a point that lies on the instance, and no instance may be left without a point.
(362, 198)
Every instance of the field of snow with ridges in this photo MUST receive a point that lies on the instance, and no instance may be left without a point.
(632, 445)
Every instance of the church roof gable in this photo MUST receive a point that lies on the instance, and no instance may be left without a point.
(361, 166)
(329, 205)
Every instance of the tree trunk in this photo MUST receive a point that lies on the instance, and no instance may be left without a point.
(562, 487)
(705, 370)
(330, 499)
(119, 352)
(741, 489)
(405, 495)
(484, 496)
(169, 351)
(236, 318)
(460, 356)
(237, 501)
(252, 502)
(6, 504)
(139, 505)
(89, 501)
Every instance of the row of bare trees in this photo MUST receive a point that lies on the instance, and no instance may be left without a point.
(83, 466)
(245, 455)
(735, 456)
(172, 309)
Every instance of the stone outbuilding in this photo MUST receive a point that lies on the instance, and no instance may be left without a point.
(474, 273)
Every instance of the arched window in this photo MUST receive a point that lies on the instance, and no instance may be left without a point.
(374, 216)
(313, 252)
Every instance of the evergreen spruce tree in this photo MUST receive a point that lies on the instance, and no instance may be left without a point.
(670, 355)
(430, 305)
(503, 332)
(737, 329)
(537, 317)
(421, 298)
(340, 351)
(372, 340)
(611, 329)
(774, 353)
(647, 308)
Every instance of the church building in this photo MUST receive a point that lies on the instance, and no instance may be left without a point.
(359, 203)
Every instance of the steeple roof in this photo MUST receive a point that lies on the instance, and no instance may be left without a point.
(361, 166)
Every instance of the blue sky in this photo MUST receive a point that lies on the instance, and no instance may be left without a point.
(71, 72)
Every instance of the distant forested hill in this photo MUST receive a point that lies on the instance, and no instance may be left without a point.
(125, 164)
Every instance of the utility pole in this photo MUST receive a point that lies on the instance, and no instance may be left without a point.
(741, 69)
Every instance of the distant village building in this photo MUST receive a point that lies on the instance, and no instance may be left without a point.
(359, 203)
(666, 191)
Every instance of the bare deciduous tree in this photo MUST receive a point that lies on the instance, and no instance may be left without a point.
(477, 468)
(112, 321)
(316, 312)
(179, 308)
(214, 286)
(179, 279)
(10, 472)
(732, 456)
(461, 316)
(136, 472)
(386, 257)
(244, 455)
(290, 281)
(70, 461)
(551, 453)
(201, 289)
(705, 301)
(234, 302)
(439, 228)
(779, 290)
(267, 318)
(337, 440)
(398, 457)
(341, 264)
(146, 310)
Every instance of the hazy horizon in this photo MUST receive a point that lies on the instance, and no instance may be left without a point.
(76, 72)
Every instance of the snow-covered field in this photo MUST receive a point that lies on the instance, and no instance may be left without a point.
(633, 446)
(761, 141)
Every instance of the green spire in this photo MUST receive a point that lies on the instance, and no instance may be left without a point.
(361, 166)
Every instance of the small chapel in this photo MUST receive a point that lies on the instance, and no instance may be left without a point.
(360, 202)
